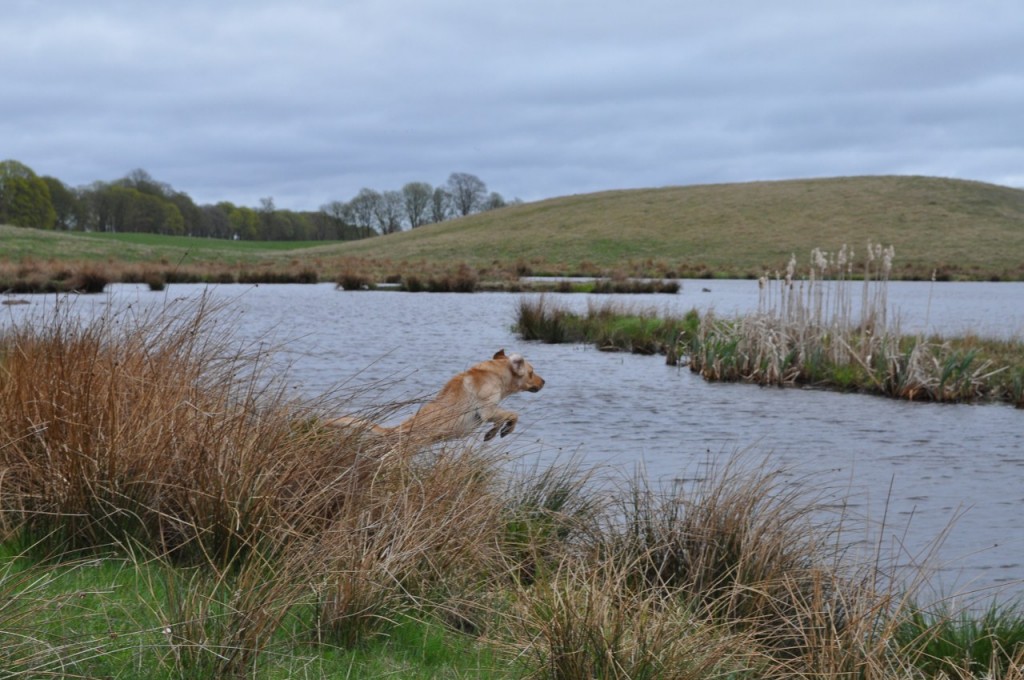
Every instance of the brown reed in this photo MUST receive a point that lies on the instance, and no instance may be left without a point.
(152, 428)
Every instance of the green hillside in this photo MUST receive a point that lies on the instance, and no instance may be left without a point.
(960, 228)
(964, 227)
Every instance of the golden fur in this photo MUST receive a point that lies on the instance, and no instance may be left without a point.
(466, 401)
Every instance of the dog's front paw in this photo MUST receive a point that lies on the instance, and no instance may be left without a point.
(491, 432)
(508, 426)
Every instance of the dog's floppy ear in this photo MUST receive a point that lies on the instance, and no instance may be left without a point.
(518, 364)
(500, 354)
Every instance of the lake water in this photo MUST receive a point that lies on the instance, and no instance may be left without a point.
(920, 466)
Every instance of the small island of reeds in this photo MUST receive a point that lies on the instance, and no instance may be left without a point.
(828, 328)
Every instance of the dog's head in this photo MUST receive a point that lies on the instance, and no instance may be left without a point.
(523, 377)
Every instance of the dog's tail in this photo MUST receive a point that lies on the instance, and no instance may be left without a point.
(354, 423)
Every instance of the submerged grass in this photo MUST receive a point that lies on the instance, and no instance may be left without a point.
(168, 513)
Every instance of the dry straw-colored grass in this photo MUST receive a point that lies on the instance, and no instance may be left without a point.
(155, 429)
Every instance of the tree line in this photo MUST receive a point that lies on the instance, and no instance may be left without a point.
(139, 203)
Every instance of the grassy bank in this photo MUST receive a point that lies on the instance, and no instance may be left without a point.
(828, 329)
(727, 231)
(259, 265)
(167, 511)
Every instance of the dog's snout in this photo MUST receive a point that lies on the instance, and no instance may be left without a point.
(539, 383)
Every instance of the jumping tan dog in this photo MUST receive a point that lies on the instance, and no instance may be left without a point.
(467, 401)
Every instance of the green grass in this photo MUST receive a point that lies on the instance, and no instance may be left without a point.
(961, 644)
(110, 617)
(21, 244)
(954, 228)
(206, 245)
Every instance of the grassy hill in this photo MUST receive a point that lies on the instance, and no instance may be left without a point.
(965, 228)
(960, 228)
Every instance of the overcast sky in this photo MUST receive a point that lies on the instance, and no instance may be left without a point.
(307, 102)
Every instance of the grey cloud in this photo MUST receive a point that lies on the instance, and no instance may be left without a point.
(310, 101)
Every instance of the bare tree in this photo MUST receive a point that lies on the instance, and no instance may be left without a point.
(416, 196)
(468, 192)
(214, 222)
(337, 215)
(364, 209)
(389, 212)
(440, 205)
(494, 201)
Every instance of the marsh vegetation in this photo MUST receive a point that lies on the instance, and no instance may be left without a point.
(169, 510)
(828, 327)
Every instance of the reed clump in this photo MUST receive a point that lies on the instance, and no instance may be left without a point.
(621, 284)
(834, 329)
(121, 428)
(609, 325)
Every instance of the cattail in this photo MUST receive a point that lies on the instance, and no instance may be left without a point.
(819, 259)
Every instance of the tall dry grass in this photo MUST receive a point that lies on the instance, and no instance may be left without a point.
(153, 429)
(743, 573)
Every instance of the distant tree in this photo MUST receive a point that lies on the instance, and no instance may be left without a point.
(467, 192)
(416, 197)
(272, 227)
(70, 212)
(172, 223)
(24, 197)
(117, 207)
(190, 214)
(143, 182)
(295, 226)
(214, 221)
(148, 213)
(245, 224)
(338, 221)
(494, 201)
(138, 203)
(390, 211)
(364, 210)
(440, 205)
